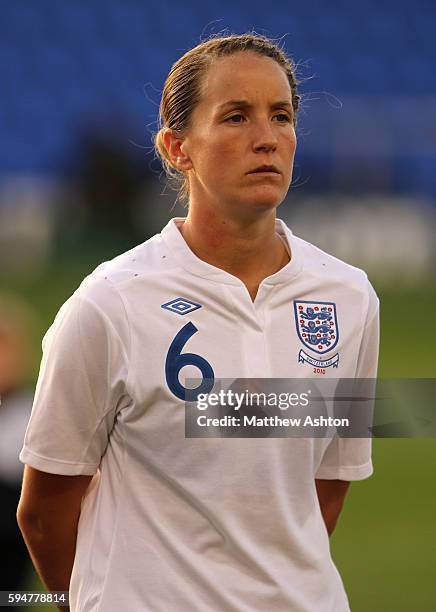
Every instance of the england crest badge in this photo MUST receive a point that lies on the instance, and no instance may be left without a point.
(317, 328)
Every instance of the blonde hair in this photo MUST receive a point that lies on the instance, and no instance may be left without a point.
(182, 90)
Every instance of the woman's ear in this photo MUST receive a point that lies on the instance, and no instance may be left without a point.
(176, 152)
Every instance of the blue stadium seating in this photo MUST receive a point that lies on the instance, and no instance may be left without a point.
(62, 63)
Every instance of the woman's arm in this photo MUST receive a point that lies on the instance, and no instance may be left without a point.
(331, 496)
(48, 515)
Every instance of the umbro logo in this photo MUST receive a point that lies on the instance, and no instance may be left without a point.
(181, 306)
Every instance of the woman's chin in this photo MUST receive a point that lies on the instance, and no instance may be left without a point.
(265, 197)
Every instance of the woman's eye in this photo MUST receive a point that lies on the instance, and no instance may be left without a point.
(282, 117)
(235, 118)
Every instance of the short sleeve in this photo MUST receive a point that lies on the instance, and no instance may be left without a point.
(350, 458)
(81, 384)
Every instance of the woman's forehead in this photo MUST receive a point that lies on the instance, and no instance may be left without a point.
(241, 74)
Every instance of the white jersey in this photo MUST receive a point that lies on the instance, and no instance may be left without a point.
(176, 524)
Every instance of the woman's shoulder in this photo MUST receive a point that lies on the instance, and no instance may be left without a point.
(106, 287)
(138, 261)
(144, 259)
(327, 267)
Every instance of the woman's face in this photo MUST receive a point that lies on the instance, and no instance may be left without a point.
(244, 121)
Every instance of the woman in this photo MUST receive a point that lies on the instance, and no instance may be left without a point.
(177, 523)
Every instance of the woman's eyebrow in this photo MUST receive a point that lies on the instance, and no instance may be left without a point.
(246, 104)
(282, 104)
(240, 103)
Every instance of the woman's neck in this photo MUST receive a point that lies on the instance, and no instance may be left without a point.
(248, 249)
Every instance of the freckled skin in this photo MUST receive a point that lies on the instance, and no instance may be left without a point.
(231, 217)
(222, 152)
(213, 229)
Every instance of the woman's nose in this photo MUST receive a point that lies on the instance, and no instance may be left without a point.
(264, 136)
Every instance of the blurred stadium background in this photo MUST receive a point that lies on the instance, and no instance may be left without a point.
(79, 183)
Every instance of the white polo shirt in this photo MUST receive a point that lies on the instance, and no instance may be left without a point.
(175, 524)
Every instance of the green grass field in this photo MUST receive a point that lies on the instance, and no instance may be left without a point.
(384, 544)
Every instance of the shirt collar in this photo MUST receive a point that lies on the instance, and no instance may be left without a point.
(189, 261)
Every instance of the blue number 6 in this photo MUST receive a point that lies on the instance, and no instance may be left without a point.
(175, 361)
